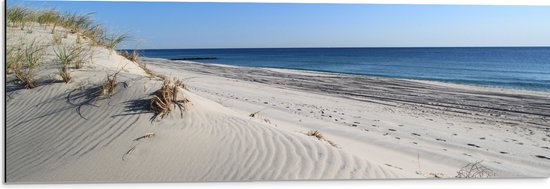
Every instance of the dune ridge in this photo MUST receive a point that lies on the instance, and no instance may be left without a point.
(61, 132)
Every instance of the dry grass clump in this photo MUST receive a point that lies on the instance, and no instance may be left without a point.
(130, 56)
(57, 39)
(166, 98)
(319, 136)
(475, 170)
(14, 56)
(32, 57)
(109, 86)
(69, 55)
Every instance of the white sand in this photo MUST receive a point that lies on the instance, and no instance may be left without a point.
(62, 132)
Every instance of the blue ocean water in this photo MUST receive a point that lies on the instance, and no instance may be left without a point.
(508, 67)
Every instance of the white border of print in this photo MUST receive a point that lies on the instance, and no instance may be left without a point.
(408, 184)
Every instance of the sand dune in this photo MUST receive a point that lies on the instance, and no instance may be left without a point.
(60, 132)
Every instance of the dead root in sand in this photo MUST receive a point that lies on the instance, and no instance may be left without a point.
(147, 135)
(475, 170)
(319, 136)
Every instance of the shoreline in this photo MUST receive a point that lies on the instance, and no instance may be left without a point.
(440, 116)
(434, 81)
(460, 92)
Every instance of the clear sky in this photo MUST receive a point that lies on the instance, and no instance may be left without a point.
(157, 25)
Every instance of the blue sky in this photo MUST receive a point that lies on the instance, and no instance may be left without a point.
(249, 25)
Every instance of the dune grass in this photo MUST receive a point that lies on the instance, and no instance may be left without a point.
(112, 40)
(14, 56)
(32, 57)
(47, 17)
(83, 25)
(166, 98)
(57, 39)
(88, 33)
(17, 16)
(68, 55)
(130, 56)
(109, 86)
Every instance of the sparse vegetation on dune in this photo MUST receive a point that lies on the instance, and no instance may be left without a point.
(14, 56)
(23, 57)
(68, 55)
(112, 40)
(48, 17)
(17, 16)
(167, 98)
(130, 56)
(23, 61)
(57, 39)
(109, 86)
(83, 25)
(32, 58)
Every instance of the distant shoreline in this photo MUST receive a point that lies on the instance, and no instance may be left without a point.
(451, 82)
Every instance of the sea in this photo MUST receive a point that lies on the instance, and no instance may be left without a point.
(506, 67)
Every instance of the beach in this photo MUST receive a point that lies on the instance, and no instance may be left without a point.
(420, 126)
(261, 124)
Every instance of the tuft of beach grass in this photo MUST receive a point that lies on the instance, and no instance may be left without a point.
(69, 55)
(130, 56)
(166, 98)
(32, 57)
(109, 86)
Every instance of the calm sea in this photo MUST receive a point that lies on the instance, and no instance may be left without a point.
(509, 67)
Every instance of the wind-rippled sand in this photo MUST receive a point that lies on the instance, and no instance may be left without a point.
(61, 132)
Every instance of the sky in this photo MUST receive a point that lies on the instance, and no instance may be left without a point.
(180, 25)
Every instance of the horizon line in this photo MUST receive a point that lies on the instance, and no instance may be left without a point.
(390, 47)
